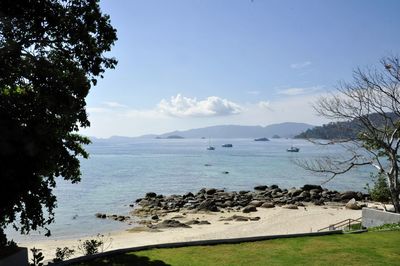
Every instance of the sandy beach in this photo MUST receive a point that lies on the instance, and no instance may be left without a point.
(272, 221)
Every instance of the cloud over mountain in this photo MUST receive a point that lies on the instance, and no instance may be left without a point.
(181, 106)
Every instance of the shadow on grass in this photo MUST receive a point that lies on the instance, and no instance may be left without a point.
(124, 259)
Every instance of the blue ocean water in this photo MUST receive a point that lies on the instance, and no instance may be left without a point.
(117, 173)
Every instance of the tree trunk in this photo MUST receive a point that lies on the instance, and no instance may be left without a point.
(395, 199)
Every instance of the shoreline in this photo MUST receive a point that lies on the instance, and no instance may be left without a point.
(272, 221)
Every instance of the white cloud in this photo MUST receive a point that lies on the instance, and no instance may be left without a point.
(300, 65)
(114, 105)
(298, 91)
(181, 106)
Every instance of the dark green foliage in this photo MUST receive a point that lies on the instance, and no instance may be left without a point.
(51, 53)
(37, 257)
(90, 246)
(380, 191)
(63, 254)
(343, 130)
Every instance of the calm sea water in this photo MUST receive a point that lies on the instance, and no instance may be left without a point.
(118, 173)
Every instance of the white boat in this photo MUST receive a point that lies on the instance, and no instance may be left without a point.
(293, 149)
(210, 148)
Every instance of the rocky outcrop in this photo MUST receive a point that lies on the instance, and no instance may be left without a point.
(214, 200)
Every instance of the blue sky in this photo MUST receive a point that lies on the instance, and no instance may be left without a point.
(194, 63)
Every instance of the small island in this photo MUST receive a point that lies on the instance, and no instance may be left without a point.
(261, 139)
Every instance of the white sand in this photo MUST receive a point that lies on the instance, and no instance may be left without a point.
(273, 221)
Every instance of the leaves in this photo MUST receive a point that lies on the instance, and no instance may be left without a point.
(51, 53)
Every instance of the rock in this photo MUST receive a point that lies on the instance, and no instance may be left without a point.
(349, 195)
(207, 205)
(295, 192)
(256, 203)
(353, 205)
(100, 215)
(241, 219)
(267, 205)
(274, 187)
(171, 224)
(260, 188)
(305, 194)
(211, 191)
(154, 217)
(254, 218)
(151, 195)
(204, 222)
(290, 206)
(188, 195)
(249, 208)
(308, 187)
(178, 217)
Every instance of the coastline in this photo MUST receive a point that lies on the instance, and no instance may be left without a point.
(273, 221)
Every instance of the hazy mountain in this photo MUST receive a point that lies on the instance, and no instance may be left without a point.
(285, 130)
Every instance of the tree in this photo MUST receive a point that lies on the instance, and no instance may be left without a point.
(372, 102)
(51, 53)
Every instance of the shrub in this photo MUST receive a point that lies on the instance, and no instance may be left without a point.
(93, 246)
(63, 254)
(37, 257)
(380, 191)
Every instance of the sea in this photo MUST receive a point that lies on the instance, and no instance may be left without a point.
(119, 172)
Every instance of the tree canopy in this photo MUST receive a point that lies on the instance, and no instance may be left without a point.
(51, 53)
(372, 103)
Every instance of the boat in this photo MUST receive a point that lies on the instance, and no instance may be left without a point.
(210, 148)
(293, 149)
(227, 145)
(261, 139)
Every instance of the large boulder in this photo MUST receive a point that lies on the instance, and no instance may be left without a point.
(249, 208)
(256, 203)
(171, 224)
(207, 205)
(353, 205)
(268, 205)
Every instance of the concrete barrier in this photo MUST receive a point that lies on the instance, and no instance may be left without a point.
(191, 244)
(373, 217)
(20, 258)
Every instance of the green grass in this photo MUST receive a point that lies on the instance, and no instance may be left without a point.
(372, 248)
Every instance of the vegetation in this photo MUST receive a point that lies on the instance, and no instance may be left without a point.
(385, 227)
(63, 254)
(93, 246)
(372, 102)
(380, 191)
(51, 53)
(345, 130)
(37, 257)
(376, 248)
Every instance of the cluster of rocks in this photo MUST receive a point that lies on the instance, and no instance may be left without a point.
(115, 217)
(214, 200)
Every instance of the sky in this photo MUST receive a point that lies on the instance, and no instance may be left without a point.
(195, 63)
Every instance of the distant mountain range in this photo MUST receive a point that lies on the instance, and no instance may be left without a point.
(283, 130)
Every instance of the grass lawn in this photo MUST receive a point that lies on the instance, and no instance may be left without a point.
(372, 248)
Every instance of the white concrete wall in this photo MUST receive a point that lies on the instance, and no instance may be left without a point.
(373, 217)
